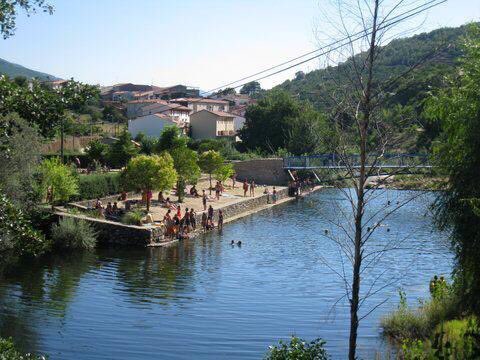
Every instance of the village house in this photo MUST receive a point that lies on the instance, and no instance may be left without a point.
(179, 113)
(152, 125)
(209, 124)
(197, 104)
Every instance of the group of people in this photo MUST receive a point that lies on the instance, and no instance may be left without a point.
(298, 186)
(179, 226)
(110, 211)
(248, 186)
(271, 196)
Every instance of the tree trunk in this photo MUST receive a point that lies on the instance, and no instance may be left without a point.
(363, 125)
(180, 190)
(210, 178)
(148, 200)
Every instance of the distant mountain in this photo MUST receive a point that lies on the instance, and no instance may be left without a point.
(394, 59)
(13, 70)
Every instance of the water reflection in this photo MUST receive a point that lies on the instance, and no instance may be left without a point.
(211, 299)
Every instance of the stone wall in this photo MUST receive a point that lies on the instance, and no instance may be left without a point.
(249, 205)
(114, 233)
(263, 171)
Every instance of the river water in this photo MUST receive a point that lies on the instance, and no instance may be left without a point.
(206, 299)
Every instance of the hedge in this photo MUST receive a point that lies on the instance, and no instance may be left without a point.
(98, 185)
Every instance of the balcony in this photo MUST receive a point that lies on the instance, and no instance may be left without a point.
(226, 133)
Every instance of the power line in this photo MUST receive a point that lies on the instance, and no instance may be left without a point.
(331, 47)
(396, 19)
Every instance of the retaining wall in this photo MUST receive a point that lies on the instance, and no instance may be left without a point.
(114, 233)
(263, 171)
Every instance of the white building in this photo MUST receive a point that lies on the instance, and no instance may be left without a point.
(207, 124)
(197, 104)
(151, 125)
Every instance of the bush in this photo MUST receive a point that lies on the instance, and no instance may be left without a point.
(133, 217)
(456, 339)
(419, 323)
(9, 352)
(298, 349)
(71, 233)
(97, 185)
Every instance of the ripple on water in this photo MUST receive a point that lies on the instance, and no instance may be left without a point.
(207, 299)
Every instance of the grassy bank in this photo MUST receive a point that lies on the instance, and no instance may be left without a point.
(435, 329)
(417, 182)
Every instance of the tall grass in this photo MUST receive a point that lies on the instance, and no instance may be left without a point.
(71, 233)
(419, 323)
(133, 217)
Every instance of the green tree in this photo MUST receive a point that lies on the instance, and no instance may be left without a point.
(42, 106)
(251, 88)
(18, 160)
(97, 151)
(121, 151)
(457, 107)
(278, 121)
(16, 232)
(59, 178)
(224, 172)
(112, 114)
(9, 10)
(210, 162)
(170, 138)
(186, 165)
(148, 173)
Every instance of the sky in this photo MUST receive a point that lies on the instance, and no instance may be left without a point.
(202, 43)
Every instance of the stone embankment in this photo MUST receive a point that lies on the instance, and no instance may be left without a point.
(115, 233)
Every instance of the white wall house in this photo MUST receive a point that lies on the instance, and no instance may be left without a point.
(197, 104)
(151, 125)
(206, 124)
(180, 114)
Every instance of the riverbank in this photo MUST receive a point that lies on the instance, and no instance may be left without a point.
(233, 204)
(409, 182)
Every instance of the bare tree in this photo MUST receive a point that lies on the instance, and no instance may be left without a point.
(361, 93)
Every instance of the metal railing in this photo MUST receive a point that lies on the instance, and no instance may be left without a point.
(335, 161)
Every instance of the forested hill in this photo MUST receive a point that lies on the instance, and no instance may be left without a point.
(14, 70)
(394, 59)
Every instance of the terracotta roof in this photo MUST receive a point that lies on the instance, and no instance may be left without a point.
(158, 101)
(218, 113)
(200, 100)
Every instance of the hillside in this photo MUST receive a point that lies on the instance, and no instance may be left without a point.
(13, 70)
(395, 58)
(407, 95)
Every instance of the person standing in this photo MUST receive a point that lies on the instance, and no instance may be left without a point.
(204, 222)
(233, 180)
(204, 200)
(245, 188)
(210, 212)
(274, 195)
(252, 188)
(220, 220)
(193, 221)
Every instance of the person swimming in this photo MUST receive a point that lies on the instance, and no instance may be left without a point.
(239, 243)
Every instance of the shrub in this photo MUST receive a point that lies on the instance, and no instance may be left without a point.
(298, 349)
(419, 323)
(9, 352)
(97, 185)
(71, 233)
(132, 217)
